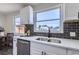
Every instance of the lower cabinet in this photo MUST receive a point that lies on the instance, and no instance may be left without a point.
(36, 48)
(43, 49)
(15, 46)
(73, 52)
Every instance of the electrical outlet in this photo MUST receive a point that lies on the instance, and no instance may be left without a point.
(72, 34)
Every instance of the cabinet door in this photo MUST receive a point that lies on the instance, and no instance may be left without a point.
(37, 52)
(26, 15)
(43, 49)
(73, 52)
(15, 46)
(54, 50)
(36, 48)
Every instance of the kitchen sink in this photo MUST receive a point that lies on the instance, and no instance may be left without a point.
(49, 40)
(42, 39)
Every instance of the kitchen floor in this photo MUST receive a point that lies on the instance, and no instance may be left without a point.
(6, 51)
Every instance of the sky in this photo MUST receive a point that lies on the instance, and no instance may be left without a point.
(48, 15)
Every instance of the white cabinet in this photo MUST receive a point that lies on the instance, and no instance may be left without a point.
(15, 46)
(43, 49)
(36, 48)
(73, 52)
(54, 50)
(26, 15)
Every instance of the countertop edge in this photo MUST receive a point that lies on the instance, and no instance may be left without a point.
(47, 43)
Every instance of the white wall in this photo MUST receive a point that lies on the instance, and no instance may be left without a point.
(9, 22)
(2, 18)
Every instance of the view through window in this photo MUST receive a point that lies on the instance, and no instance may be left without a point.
(18, 27)
(50, 18)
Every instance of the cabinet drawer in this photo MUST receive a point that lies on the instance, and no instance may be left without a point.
(55, 50)
(73, 52)
(38, 48)
(35, 45)
(36, 52)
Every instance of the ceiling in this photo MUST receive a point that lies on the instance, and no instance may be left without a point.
(12, 7)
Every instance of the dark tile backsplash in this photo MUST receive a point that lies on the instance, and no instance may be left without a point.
(69, 26)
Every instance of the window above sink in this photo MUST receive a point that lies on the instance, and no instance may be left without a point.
(52, 17)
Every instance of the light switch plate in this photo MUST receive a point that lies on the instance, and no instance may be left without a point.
(72, 34)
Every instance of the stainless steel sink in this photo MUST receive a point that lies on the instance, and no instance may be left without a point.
(42, 39)
(49, 40)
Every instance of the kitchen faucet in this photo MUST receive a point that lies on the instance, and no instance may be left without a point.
(49, 35)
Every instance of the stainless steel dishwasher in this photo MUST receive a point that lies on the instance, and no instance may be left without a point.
(23, 47)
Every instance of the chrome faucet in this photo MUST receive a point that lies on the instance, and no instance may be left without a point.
(49, 34)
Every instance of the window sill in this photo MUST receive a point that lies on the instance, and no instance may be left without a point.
(42, 31)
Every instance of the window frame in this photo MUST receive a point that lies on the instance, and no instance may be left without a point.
(20, 25)
(62, 17)
(15, 21)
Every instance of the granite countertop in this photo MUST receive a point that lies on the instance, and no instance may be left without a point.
(65, 43)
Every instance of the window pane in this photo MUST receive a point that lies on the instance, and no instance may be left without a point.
(50, 14)
(19, 29)
(17, 21)
(54, 24)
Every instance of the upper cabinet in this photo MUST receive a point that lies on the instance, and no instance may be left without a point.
(26, 15)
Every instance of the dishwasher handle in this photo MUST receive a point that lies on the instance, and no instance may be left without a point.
(24, 42)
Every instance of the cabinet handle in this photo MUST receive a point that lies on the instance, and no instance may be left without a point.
(16, 44)
(42, 52)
